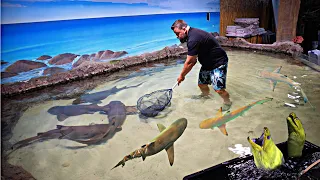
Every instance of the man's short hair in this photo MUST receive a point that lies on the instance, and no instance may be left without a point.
(179, 24)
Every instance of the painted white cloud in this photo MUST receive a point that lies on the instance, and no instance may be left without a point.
(49, 14)
(190, 5)
(73, 9)
(121, 1)
(174, 4)
(9, 5)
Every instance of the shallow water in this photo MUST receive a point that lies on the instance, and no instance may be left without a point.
(197, 148)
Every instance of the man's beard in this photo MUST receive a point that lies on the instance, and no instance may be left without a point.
(184, 39)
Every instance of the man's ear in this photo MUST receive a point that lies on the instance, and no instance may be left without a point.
(185, 29)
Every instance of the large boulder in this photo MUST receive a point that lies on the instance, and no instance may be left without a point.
(53, 70)
(44, 57)
(98, 55)
(63, 59)
(24, 66)
(7, 74)
(119, 54)
(108, 54)
(82, 59)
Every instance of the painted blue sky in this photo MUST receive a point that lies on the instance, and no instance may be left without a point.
(13, 11)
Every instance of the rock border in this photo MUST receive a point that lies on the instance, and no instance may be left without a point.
(89, 69)
(286, 47)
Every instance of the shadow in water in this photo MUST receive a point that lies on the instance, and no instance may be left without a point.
(93, 134)
(97, 97)
(63, 112)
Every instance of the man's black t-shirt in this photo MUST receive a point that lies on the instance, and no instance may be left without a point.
(210, 54)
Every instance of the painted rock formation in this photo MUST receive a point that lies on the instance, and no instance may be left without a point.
(7, 74)
(108, 54)
(63, 59)
(90, 68)
(23, 66)
(53, 70)
(44, 57)
(82, 59)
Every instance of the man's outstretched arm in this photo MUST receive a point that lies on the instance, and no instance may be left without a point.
(188, 65)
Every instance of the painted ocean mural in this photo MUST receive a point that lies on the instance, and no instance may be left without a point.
(133, 34)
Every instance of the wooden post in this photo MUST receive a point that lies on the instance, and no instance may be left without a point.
(287, 19)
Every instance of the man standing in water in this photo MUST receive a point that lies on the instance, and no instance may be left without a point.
(213, 60)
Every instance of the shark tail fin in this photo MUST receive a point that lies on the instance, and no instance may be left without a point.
(131, 110)
(305, 99)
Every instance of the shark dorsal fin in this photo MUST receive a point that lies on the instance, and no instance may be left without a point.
(161, 127)
(223, 129)
(277, 70)
(219, 113)
(170, 152)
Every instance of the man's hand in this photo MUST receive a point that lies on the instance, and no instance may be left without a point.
(180, 79)
(190, 62)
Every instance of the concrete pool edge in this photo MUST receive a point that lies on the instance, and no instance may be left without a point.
(89, 69)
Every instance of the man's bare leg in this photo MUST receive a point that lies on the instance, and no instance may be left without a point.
(226, 99)
(224, 95)
(204, 89)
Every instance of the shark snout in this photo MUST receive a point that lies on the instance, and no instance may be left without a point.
(77, 101)
(182, 122)
(54, 110)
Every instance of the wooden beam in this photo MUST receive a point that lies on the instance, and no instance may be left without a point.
(287, 19)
